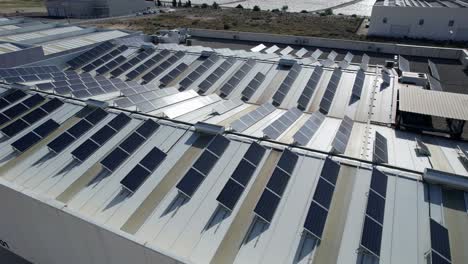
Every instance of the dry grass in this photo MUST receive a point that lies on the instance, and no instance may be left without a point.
(11, 6)
(245, 20)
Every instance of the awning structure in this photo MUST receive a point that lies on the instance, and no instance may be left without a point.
(434, 103)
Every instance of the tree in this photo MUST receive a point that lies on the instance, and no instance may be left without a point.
(179, 4)
(204, 5)
(189, 3)
(239, 6)
(284, 8)
(215, 5)
(328, 12)
(256, 8)
(174, 3)
(159, 3)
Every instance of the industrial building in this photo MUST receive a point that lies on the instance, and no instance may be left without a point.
(128, 152)
(95, 8)
(432, 20)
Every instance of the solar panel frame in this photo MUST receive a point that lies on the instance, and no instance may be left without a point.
(308, 130)
(253, 85)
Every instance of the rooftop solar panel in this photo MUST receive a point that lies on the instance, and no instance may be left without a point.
(173, 74)
(216, 75)
(252, 117)
(307, 131)
(90, 55)
(285, 86)
(358, 84)
(253, 86)
(380, 149)
(440, 241)
(232, 83)
(155, 72)
(342, 136)
(226, 106)
(375, 206)
(403, 64)
(346, 61)
(280, 125)
(371, 238)
(365, 62)
(33, 137)
(300, 53)
(193, 76)
(329, 95)
(315, 220)
(307, 93)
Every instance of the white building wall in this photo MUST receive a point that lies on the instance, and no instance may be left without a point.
(404, 22)
(46, 232)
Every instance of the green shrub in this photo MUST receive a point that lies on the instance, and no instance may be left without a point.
(256, 8)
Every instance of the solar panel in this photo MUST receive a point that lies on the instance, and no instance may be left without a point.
(307, 131)
(380, 149)
(286, 51)
(285, 86)
(155, 72)
(316, 219)
(346, 61)
(107, 57)
(300, 53)
(230, 194)
(365, 62)
(371, 236)
(258, 48)
(330, 59)
(271, 49)
(438, 259)
(138, 175)
(386, 77)
(329, 94)
(440, 242)
(226, 106)
(309, 89)
(358, 84)
(232, 83)
(342, 136)
(131, 63)
(157, 58)
(173, 74)
(112, 64)
(216, 75)
(253, 86)
(316, 54)
(202, 166)
(11, 97)
(193, 76)
(253, 117)
(24, 71)
(73, 133)
(280, 125)
(276, 185)
(403, 64)
(33, 137)
(90, 55)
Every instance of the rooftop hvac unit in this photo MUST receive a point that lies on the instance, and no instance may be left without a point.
(209, 129)
(415, 78)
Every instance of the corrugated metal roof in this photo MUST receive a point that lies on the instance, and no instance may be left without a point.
(434, 103)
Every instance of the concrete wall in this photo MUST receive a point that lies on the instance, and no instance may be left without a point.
(45, 232)
(395, 21)
(431, 52)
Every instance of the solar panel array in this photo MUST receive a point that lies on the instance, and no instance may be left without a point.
(131, 63)
(273, 192)
(111, 65)
(127, 147)
(194, 75)
(173, 74)
(142, 68)
(365, 62)
(346, 61)
(321, 201)
(12, 75)
(403, 64)
(309, 89)
(300, 53)
(342, 136)
(32, 117)
(107, 57)
(138, 175)
(280, 125)
(253, 86)
(307, 131)
(371, 238)
(440, 244)
(380, 149)
(253, 117)
(386, 77)
(240, 178)
(90, 55)
(316, 54)
(216, 74)
(226, 106)
(327, 99)
(151, 105)
(232, 83)
(202, 166)
(98, 139)
(12, 97)
(433, 69)
(330, 59)
(163, 66)
(20, 108)
(286, 50)
(135, 99)
(358, 84)
(76, 131)
(36, 135)
(285, 86)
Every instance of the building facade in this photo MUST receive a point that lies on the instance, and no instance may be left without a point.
(437, 20)
(95, 8)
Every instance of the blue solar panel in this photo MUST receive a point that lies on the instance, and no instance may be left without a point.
(96, 116)
(287, 161)
(316, 219)
(255, 153)
(205, 162)
(371, 236)
(440, 241)
(114, 159)
(218, 145)
(147, 128)
(79, 128)
(85, 150)
(132, 142)
(101, 136)
(278, 181)
(267, 205)
(330, 170)
(152, 160)
(190, 182)
(379, 182)
(243, 172)
(135, 178)
(61, 142)
(375, 207)
(324, 193)
(230, 194)
(35, 136)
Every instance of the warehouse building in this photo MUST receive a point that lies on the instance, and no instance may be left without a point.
(433, 20)
(136, 153)
(95, 8)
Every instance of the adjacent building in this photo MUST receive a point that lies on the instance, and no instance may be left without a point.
(435, 20)
(95, 8)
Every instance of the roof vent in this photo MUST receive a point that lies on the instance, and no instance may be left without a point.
(96, 103)
(207, 128)
(450, 180)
